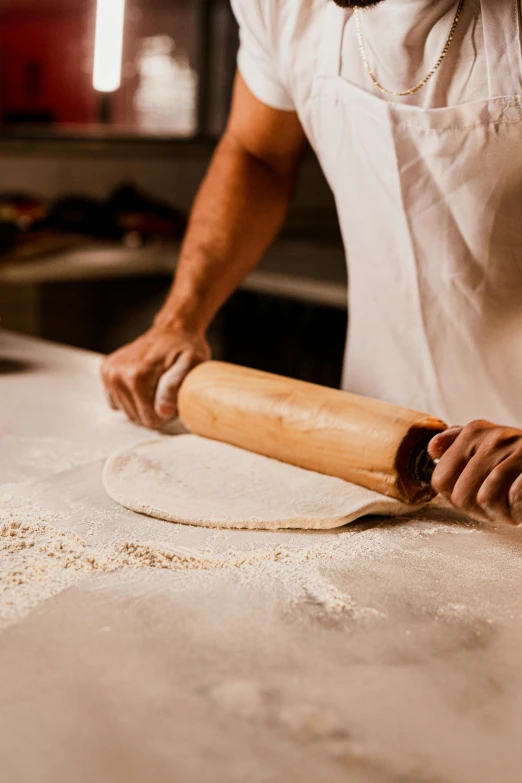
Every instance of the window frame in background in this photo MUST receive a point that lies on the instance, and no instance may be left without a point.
(211, 115)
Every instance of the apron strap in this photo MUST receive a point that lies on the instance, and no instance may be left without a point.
(503, 44)
(330, 52)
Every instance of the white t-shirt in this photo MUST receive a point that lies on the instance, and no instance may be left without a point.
(281, 41)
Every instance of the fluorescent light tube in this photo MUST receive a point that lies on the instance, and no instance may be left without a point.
(108, 46)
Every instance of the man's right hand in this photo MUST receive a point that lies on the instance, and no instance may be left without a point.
(143, 378)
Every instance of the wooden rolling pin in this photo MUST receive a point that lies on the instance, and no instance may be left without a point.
(371, 443)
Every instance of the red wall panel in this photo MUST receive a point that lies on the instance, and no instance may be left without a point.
(46, 65)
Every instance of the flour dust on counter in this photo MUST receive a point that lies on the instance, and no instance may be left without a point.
(39, 558)
(197, 481)
(41, 555)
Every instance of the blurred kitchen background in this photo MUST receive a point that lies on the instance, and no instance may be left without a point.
(102, 149)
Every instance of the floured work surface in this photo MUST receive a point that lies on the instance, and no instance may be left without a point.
(380, 653)
(202, 482)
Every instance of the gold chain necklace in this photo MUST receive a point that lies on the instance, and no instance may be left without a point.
(435, 68)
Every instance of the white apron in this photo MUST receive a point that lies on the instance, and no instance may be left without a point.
(430, 205)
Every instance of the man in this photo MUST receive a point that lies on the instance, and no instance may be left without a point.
(414, 108)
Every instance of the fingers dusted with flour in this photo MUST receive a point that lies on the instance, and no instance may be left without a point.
(143, 378)
(165, 404)
(480, 470)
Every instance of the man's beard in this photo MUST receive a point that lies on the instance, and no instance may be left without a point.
(356, 3)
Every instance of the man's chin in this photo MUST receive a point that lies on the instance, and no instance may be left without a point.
(357, 3)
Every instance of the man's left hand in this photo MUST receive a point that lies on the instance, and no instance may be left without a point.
(480, 470)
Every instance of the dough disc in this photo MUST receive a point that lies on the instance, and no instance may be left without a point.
(202, 482)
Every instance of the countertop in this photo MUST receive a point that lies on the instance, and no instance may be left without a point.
(387, 652)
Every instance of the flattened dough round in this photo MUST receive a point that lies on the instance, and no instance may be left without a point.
(198, 481)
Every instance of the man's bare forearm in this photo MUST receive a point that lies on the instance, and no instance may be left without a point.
(238, 212)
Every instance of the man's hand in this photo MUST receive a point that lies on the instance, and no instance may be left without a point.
(143, 378)
(480, 470)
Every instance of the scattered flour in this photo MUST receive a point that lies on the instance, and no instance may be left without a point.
(39, 560)
(326, 596)
(40, 557)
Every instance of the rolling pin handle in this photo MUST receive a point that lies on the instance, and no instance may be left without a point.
(422, 466)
